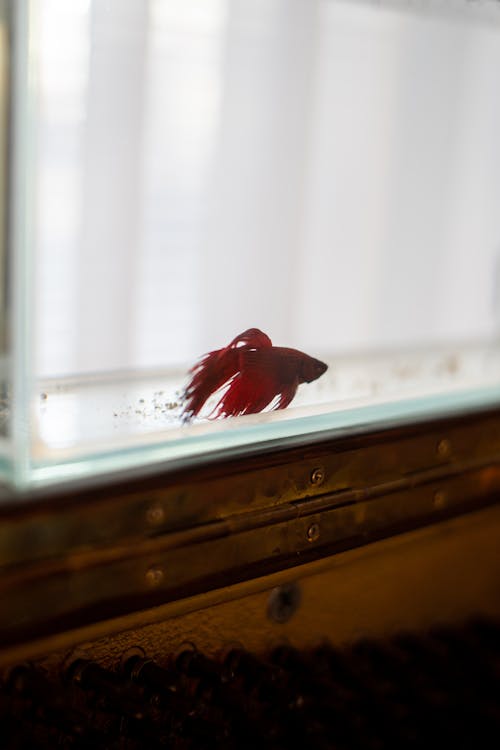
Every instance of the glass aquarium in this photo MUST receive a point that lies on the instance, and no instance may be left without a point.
(176, 173)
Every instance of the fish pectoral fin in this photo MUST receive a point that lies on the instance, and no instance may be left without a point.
(246, 394)
(287, 395)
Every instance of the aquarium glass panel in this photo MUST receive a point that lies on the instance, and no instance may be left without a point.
(280, 183)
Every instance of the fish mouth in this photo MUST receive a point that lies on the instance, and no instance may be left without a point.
(322, 367)
(319, 369)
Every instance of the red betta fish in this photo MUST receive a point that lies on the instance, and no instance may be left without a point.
(254, 374)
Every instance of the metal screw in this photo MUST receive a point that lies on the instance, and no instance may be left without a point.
(439, 499)
(317, 476)
(444, 448)
(283, 602)
(154, 577)
(155, 514)
(313, 532)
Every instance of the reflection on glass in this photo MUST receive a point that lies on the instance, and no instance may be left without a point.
(323, 170)
(5, 363)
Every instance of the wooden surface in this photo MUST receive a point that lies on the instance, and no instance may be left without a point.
(102, 560)
(443, 573)
(82, 558)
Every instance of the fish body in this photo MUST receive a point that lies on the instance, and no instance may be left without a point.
(253, 373)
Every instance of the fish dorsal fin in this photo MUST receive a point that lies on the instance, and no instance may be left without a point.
(252, 338)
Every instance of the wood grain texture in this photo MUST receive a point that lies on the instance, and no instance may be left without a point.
(444, 573)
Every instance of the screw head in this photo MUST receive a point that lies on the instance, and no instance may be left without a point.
(155, 514)
(317, 476)
(313, 532)
(154, 577)
(439, 499)
(444, 448)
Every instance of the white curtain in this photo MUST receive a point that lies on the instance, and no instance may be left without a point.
(327, 171)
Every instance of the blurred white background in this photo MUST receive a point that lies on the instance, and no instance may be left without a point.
(326, 170)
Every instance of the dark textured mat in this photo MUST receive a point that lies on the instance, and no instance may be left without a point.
(438, 689)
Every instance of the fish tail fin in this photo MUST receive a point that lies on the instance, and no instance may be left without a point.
(212, 371)
(216, 369)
